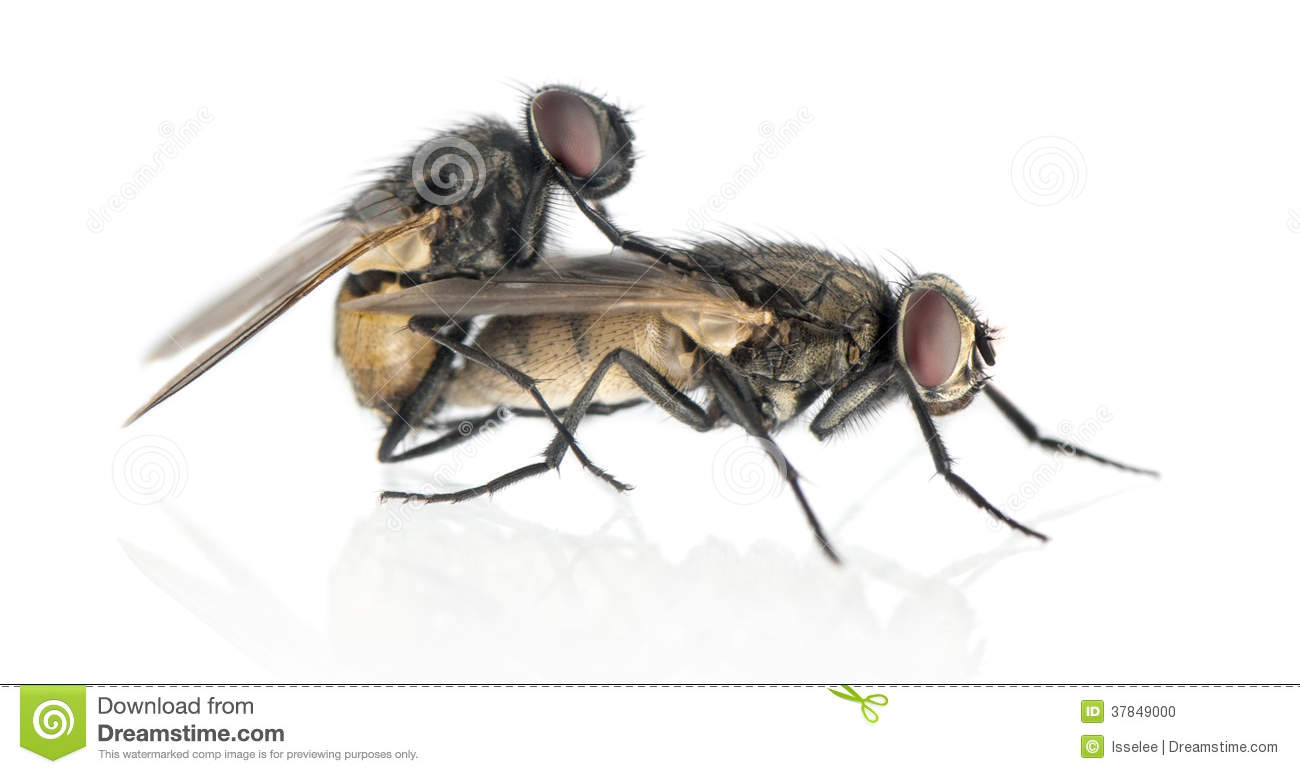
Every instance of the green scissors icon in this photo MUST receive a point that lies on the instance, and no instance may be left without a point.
(878, 699)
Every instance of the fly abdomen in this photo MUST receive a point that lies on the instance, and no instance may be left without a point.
(561, 351)
(383, 359)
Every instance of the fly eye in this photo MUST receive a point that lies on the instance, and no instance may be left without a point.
(567, 130)
(931, 338)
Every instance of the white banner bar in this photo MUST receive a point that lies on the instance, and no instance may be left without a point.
(653, 728)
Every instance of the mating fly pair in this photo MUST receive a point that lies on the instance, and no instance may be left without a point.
(448, 306)
(470, 203)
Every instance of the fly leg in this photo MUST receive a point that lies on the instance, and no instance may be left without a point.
(658, 389)
(524, 244)
(1030, 432)
(495, 485)
(651, 382)
(416, 407)
(943, 464)
(464, 429)
(429, 328)
(860, 397)
(596, 409)
(738, 401)
(613, 233)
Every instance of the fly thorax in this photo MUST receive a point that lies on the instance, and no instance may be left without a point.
(715, 333)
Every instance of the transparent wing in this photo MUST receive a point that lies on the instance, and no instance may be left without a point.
(622, 282)
(272, 281)
(288, 280)
(374, 210)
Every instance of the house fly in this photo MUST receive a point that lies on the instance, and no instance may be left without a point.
(471, 202)
(761, 330)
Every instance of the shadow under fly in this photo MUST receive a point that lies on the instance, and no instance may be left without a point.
(763, 329)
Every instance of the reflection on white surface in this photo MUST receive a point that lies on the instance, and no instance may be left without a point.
(472, 593)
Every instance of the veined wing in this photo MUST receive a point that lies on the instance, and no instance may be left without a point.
(297, 276)
(273, 280)
(621, 282)
(710, 313)
(374, 210)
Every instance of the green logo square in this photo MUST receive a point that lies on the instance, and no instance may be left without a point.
(52, 719)
(1092, 711)
(1092, 746)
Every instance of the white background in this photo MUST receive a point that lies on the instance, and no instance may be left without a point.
(1141, 266)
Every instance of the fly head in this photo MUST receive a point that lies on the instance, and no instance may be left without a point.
(941, 343)
(582, 136)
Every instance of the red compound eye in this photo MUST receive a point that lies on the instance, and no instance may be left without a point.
(931, 338)
(567, 129)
